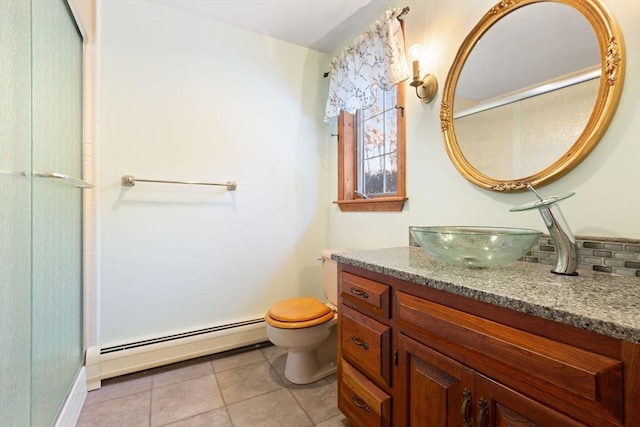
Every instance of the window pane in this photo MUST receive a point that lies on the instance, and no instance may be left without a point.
(391, 131)
(391, 175)
(373, 137)
(377, 146)
(373, 181)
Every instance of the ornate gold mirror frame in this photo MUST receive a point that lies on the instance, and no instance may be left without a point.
(611, 45)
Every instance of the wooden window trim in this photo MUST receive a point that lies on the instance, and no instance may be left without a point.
(347, 166)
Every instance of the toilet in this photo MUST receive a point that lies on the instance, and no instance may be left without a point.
(306, 328)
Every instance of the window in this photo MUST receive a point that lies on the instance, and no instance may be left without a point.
(371, 155)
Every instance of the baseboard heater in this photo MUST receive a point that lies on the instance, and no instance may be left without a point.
(115, 360)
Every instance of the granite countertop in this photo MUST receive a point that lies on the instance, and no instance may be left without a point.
(598, 302)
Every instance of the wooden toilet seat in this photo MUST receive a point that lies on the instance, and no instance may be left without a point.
(296, 313)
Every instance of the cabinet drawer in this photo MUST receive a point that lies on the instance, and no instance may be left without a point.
(366, 343)
(365, 293)
(364, 404)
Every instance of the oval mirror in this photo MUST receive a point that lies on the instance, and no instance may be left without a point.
(532, 89)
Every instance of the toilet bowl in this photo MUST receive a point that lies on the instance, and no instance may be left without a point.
(306, 328)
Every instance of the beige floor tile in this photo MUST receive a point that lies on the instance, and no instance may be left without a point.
(233, 361)
(319, 400)
(275, 409)
(271, 352)
(181, 372)
(190, 394)
(128, 411)
(338, 421)
(216, 418)
(184, 399)
(248, 381)
(118, 387)
(278, 363)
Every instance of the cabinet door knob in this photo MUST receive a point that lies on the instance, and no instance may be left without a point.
(466, 407)
(360, 403)
(359, 293)
(358, 342)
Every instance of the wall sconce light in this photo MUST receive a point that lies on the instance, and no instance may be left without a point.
(427, 86)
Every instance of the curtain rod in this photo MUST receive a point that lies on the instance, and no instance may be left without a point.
(404, 11)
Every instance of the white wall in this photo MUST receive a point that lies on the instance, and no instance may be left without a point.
(181, 97)
(185, 98)
(607, 183)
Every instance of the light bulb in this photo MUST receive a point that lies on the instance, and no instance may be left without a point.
(415, 52)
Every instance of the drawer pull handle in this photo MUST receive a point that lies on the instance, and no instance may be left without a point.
(484, 409)
(360, 343)
(359, 293)
(466, 407)
(360, 403)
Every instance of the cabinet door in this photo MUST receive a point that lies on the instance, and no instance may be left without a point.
(498, 406)
(439, 390)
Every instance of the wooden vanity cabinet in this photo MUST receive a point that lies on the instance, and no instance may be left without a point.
(439, 359)
(443, 392)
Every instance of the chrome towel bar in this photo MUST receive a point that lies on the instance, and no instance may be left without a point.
(130, 181)
(55, 175)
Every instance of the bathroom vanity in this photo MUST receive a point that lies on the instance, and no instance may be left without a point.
(422, 343)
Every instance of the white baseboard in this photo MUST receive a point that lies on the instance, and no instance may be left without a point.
(101, 365)
(70, 411)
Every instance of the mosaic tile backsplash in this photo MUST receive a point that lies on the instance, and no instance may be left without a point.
(604, 254)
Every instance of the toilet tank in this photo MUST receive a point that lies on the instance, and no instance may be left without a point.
(330, 276)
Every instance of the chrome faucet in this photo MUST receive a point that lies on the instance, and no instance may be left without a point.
(565, 241)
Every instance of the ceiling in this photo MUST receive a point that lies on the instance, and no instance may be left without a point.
(317, 24)
(555, 37)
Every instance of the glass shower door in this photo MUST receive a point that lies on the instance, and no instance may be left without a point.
(41, 219)
(56, 207)
(15, 208)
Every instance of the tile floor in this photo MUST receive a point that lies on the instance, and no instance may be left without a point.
(237, 389)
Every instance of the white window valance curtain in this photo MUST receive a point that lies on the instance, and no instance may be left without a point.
(376, 58)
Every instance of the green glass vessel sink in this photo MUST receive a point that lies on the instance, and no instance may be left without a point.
(476, 247)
